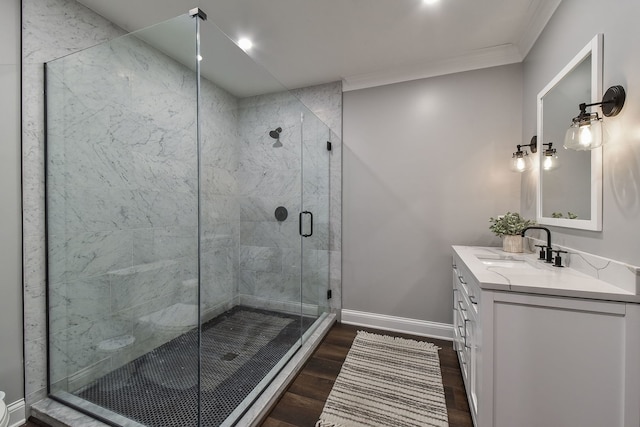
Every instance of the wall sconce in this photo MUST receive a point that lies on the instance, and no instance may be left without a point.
(550, 161)
(585, 132)
(520, 160)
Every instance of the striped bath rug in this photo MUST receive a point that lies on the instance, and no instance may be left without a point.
(387, 381)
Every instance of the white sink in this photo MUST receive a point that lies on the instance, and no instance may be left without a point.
(505, 262)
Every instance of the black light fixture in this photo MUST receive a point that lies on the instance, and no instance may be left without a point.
(585, 132)
(520, 160)
(550, 161)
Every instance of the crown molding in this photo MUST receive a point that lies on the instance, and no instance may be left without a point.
(475, 60)
(538, 20)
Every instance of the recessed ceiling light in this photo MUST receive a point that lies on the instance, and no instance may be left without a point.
(430, 1)
(245, 44)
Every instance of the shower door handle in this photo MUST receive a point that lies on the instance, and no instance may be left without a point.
(300, 224)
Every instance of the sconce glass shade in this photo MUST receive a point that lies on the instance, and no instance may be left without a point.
(520, 161)
(550, 162)
(584, 135)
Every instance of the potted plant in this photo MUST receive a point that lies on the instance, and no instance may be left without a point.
(509, 227)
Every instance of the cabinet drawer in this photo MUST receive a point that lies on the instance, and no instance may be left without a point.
(468, 286)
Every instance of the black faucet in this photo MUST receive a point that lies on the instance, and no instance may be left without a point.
(549, 253)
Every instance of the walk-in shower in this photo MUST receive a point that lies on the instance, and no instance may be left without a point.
(174, 293)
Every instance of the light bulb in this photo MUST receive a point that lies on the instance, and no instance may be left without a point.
(586, 138)
(520, 164)
(548, 163)
(245, 44)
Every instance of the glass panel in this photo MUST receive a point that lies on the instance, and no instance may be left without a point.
(316, 248)
(179, 284)
(251, 275)
(122, 226)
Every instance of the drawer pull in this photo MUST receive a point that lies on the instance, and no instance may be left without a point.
(461, 280)
(473, 299)
(461, 307)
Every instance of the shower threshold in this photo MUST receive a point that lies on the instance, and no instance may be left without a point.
(242, 350)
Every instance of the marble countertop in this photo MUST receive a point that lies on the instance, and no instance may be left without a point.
(495, 269)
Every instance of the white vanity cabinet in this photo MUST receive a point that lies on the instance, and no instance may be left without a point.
(539, 360)
(467, 333)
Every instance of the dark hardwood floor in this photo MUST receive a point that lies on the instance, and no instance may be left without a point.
(32, 422)
(302, 403)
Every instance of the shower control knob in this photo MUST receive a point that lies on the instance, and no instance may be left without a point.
(281, 213)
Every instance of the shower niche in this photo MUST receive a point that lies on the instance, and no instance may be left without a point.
(174, 293)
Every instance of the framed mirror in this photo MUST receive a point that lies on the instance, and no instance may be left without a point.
(569, 191)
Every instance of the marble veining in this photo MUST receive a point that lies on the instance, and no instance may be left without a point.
(123, 215)
(535, 276)
(620, 274)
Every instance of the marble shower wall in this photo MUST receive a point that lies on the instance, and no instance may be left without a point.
(122, 202)
(54, 28)
(220, 210)
(269, 177)
(50, 30)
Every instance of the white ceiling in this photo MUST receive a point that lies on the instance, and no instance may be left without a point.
(362, 42)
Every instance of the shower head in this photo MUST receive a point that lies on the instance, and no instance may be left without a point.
(275, 134)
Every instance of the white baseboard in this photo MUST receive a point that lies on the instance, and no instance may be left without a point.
(17, 413)
(443, 331)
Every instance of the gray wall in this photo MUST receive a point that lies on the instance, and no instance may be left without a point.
(11, 370)
(573, 25)
(425, 166)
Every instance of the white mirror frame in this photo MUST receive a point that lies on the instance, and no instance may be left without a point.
(595, 222)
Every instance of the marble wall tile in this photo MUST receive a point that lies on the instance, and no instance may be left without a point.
(257, 208)
(219, 261)
(86, 300)
(247, 284)
(277, 286)
(217, 210)
(88, 254)
(77, 210)
(261, 182)
(136, 285)
(216, 289)
(164, 243)
(54, 28)
(35, 355)
(261, 259)
(141, 152)
(33, 150)
(325, 101)
(221, 234)
(35, 314)
(34, 261)
(294, 262)
(269, 233)
(76, 347)
(258, 157)
(217, 180)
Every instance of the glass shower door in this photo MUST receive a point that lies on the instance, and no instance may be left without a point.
(316, 244)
